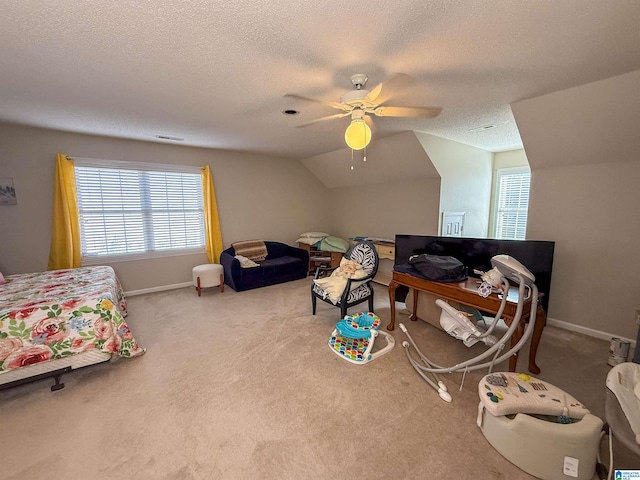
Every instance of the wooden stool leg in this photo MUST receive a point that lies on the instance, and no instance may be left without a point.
(221, 283)
(198, 287)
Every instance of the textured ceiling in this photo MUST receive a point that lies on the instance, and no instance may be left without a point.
(214, 73)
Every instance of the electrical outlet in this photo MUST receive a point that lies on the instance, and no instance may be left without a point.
(637, 316)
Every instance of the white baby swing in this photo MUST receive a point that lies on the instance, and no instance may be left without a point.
(538, 427)
(354, 336)
(458, 325)
(515, 409)
(549, 434)
(622, 408)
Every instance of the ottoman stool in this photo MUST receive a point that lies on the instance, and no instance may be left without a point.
(208, 275)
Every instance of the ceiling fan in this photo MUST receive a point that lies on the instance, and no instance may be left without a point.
(359, 102)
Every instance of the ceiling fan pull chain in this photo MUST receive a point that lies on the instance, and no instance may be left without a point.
(364, 158)
(352, 159)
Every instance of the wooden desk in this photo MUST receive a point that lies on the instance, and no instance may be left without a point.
(466, 293)
(387, 255)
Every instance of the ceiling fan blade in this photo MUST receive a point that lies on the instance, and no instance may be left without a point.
(385, 90)
(418, 112)
(337, 105)
(324, 119)
(368, 121)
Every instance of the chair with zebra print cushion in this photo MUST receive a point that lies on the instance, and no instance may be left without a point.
(357, 290)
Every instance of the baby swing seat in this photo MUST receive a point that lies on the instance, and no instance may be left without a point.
(538, 427)
(354, 336)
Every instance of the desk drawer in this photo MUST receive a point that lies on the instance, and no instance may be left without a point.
(386, 251)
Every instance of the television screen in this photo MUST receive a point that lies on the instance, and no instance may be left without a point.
(476, 254)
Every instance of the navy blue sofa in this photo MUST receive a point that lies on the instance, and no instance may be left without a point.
(283, 264)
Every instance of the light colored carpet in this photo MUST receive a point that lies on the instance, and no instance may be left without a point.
(244, 386)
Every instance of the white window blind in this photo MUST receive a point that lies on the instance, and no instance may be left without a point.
(129, 210)
(512, 203)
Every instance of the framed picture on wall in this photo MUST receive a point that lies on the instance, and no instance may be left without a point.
(7, 191)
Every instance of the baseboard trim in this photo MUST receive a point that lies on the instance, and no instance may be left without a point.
(591, 332)
(161, 288)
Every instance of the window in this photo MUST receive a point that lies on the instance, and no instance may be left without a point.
(132, 210)
(511, 203)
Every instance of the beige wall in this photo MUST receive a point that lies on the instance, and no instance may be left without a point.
(592, 123)
(394, 159)
(582, 145)
(591, 212)
(258, 197)
(384, 210)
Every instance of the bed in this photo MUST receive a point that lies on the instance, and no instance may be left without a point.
(54, 322)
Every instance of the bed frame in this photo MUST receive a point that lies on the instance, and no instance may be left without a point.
(57, 321)
(52, 368)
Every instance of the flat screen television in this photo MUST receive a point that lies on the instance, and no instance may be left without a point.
(476, 254)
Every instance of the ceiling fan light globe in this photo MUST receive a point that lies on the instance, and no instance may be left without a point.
(358, 134)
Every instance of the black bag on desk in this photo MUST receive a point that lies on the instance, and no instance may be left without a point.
(438, 268)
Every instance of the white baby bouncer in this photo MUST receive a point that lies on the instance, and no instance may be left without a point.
(354, 337)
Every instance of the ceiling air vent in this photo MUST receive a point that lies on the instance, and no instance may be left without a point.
(483, 127)
(167, 137)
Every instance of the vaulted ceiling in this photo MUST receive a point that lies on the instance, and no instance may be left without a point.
(215, 73)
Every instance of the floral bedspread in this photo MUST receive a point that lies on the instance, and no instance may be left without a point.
(49, 315)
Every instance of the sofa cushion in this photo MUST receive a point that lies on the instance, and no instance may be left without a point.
(284, 264)
(272, 271)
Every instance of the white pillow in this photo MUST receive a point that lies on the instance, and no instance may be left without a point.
(319, 235)
(309, 240)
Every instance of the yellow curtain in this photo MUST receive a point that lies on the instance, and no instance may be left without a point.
(65, 231)
(212, 231)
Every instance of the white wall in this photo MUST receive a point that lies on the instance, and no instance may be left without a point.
(509, 159)
(257, 196)
(466, 181)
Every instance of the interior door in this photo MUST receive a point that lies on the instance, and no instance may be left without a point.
(452, 224)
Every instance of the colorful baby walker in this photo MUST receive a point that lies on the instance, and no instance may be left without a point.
(354, 336)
